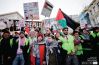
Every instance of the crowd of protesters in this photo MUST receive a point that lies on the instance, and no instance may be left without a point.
(59, 48)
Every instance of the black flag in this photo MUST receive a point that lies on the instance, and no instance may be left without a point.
(71, 23)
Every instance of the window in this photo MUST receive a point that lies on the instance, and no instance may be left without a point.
(94, 8)
(98, 19)
(98, 4)
(87, 18)
(91, 12)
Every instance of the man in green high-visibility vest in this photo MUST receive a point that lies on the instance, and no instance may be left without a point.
(95, 41)
(68, 45)
(86, 44)
(7, 51)
(22, 56)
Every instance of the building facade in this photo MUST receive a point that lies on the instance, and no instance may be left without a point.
(15, 22)
(90, 15)
(34, 23)
(11, 20)
(75, 18)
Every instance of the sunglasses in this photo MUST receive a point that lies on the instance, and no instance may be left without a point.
(65, 30)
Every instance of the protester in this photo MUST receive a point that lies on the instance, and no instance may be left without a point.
(22, 57)
(7, 48)
(39, 50)
(85, 36)
(48, 33)
(95, 42)
(16, 35)
(49, 48)
(78, 46)
(60, 52)
(68, 46)
(32, 39)
(51, 51)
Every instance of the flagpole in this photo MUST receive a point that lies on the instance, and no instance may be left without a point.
(32, 22)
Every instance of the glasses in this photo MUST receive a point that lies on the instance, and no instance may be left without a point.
(65, 30)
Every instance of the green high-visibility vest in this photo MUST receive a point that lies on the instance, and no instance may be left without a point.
(11, 42)
(68, 44)
(81, 36)
(79, 49)
(0, 39)
(27, 42)
(84, 48)
(93, 35)
(98, 34)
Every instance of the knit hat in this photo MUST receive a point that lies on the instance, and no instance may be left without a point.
(40, 35)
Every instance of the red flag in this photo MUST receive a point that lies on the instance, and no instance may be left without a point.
(59, 15)
(27, 30)
(42, 51)
(60, 19)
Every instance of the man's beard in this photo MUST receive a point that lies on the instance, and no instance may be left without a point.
(65, 33)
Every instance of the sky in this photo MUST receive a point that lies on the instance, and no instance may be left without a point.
(70, 7)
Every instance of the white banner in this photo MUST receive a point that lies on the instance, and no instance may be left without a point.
(51, 23)
(47, 9)
(31, 11)
(21, 23)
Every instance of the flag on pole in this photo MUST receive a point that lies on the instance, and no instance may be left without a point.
(27, 29)
(70, 22)
(47, 9)
(61, 20)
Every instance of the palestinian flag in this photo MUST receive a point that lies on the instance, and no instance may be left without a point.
(70, 22)
(42, 53)
(60, 18)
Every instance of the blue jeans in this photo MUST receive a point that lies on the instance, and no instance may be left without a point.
(37, 61)
(19, 59)
(71, 59)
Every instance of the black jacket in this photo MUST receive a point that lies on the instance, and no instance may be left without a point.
(8, 50)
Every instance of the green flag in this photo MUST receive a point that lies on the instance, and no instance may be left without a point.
(61, 20)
